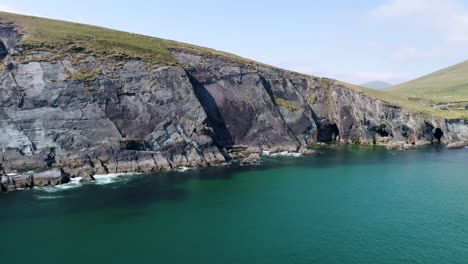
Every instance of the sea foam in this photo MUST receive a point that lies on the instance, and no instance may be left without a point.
(282, 154)
(113, 178)
(74, 183)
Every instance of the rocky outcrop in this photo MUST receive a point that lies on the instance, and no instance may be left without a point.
(77, 115)
(457, 145)
(50, 177)
(10, 182)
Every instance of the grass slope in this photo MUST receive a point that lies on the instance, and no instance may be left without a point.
(444, 89)
(62, 36)
(65, 37)
(404, 102)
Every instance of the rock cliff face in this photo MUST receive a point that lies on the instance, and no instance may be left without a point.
(78, 115)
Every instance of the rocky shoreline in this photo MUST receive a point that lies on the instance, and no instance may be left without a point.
(58, 176)
(74, 114)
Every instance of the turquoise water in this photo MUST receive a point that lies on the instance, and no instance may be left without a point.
(353, 205)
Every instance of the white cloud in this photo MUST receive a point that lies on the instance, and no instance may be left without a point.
(448, 18)
(411, 53)
(443, 23)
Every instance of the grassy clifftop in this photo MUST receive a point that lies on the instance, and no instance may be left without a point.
(49, 34)
(41, 34)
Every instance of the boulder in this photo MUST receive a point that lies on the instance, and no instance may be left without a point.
(50, 178)
(16, 182)
(307, 152)
(400, 145)
(251, 159)
(457, 145)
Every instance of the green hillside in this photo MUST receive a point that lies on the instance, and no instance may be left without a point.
(62, 36)
(446, 89)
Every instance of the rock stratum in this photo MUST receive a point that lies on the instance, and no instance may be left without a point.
(73, 114)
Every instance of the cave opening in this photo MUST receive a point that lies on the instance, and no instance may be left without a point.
(438, 133)
(3, 51)
(327, 133)
(335, 131)
(381, 131)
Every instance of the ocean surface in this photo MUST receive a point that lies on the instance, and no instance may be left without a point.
(349, 205)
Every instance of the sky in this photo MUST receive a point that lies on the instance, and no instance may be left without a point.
(354, 41)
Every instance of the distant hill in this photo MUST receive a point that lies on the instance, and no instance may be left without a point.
(376, 85)
(444, 89)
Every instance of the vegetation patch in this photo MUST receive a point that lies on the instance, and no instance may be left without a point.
(325, 83)
(91, 89)
(312, 99)
(293, 106)
(86, 76)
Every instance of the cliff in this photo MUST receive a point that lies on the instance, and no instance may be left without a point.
(74, 113)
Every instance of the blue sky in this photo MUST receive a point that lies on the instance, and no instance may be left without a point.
(354, 41)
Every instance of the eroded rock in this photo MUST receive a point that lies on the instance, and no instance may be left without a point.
(457, 145)
(50, 178)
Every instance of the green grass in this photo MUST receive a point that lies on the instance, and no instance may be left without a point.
(55, 35)
(293, 106)
(445, 90)
(312, 99)
(413, 106)
(445, 86)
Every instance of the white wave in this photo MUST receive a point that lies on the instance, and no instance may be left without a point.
(282, 154)
(99, 180)
(182, 169)
(112, 178)
(74, 183)
(44, 197)
(106, 179)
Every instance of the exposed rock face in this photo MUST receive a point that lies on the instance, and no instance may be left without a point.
(79, 116)
(50, 177)
(30, 179)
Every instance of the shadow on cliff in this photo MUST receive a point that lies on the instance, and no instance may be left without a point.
(3, 51)
(222, 135)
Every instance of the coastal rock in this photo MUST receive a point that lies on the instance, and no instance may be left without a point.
(29, 180)
(457, 145)
(129, 115)
(251, 159)
(307, 152)
(16, 182)
(50, 178)
(401, 145)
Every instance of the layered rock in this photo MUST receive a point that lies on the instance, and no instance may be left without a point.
(11, 182)
(79, 115)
